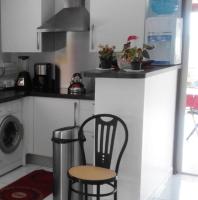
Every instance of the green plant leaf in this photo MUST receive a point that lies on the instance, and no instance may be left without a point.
(148, 47)
(145, 54)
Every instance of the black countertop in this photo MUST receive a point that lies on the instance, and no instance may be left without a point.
(10, 95)
(98, 73)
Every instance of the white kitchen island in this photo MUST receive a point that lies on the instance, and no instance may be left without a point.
(146, 101)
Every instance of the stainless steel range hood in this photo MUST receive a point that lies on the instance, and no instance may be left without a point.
(72, 19)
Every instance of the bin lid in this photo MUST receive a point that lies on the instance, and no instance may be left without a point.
(64, 133)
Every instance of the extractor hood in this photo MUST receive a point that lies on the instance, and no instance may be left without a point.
(72, 19)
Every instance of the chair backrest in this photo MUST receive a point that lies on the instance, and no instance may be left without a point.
(192, 101)
(105, 133)
(195, 103)
(189, 100)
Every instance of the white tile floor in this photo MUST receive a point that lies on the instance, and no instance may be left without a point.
(179, 187)
(190, 147)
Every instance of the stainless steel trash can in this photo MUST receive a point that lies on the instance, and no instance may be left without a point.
(63, 158)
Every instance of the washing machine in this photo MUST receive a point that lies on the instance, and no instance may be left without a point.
(11, 136)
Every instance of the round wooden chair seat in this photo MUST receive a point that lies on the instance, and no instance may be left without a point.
(92, 173)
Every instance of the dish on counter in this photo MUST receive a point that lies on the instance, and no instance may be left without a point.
(132, 70)
(101, 69)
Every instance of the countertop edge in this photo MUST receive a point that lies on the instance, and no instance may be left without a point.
(63, 96)
(134, 75)
(15, 95)
(12, 98)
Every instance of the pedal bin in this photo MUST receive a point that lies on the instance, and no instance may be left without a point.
(64, 151)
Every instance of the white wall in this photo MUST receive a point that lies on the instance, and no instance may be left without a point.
(158, 131)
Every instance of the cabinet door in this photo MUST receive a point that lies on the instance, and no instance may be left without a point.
(113, 21)
(50, 114)
(28, 117)
(87, 110)
(19, 22)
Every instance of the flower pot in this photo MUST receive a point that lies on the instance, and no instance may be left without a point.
(135, 65)
(105, 63)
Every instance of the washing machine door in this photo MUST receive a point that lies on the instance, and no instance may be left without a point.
(11, 134)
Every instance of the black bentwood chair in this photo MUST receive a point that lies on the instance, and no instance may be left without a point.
(106, 129)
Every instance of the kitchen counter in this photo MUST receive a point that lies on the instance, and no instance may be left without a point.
(146, 101)
(10, 95)
(99, 73)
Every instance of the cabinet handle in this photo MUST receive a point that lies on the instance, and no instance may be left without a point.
(75, 113)
(38, 43)
(92, 36)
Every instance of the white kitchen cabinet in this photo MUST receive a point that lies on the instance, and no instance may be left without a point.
(51, 114)
(19, 22)
(28, 125)
(87, 110)
(113, 21)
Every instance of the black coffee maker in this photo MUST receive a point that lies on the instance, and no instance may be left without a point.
(46, 78)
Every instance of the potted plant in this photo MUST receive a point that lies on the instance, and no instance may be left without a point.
(106, 55)
(133, 55)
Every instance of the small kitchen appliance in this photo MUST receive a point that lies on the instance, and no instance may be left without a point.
(23, 81)
(11, 137)
(76, 86)
(46, 77)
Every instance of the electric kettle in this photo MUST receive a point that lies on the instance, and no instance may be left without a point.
(76, 86)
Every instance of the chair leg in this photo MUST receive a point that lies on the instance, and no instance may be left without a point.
(86, 191)
(115, 194)
(81, 190)
(193, 117)
(98, 192)
(191, 133)
(69, 190)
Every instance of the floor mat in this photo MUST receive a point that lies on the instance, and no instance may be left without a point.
(34, 186)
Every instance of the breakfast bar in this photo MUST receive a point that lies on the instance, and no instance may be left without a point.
(146, 101)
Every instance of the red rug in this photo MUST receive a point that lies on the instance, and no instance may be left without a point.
(35, 186)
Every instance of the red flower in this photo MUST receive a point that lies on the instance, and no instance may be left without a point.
(132, 37)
